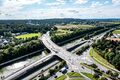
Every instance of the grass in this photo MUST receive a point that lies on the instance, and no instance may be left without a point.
(101, 60)
(77, 79)
(91, 68)
(89, 76)
(116, 22)
(71, 26)
(63, 32)
(24, 36)
(74, 74)
(82, 26)
(63, 77)
(116, 32)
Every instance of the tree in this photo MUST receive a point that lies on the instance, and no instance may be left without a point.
(54, 29)
(115, 75)
(43, 77)
(108, 72)
(96, 76)
(51, 72)
(94, 65)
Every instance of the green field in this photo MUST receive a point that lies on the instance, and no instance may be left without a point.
(73, 26)
(101, 60)
(116, 32)
(81, 26)
(117, 22)
(63, 32)
(24, 36)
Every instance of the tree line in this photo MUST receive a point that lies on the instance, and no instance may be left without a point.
(109, 50)
(42, 26)
(14, 52)
(78, 33)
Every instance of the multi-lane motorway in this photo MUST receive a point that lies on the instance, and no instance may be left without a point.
(72, 60)
(21, 72)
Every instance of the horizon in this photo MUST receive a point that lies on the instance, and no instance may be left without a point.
(68, 18)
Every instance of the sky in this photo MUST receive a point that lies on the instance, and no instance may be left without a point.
(46, 9)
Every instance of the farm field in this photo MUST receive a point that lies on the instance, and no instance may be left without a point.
(113, 39)
(72, 26)
(24, 36)
(116, 32)
(63, 32)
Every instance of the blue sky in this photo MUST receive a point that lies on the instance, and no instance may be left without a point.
(45, 9)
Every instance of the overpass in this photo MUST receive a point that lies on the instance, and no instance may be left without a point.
(72, 60)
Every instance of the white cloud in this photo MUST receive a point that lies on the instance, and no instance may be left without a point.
(62, 1)
(81, 1)
(10, 6)
(16, 3)
(54, 4)
(11, 9)
(96, 4)
(106, 2)
(116, 2)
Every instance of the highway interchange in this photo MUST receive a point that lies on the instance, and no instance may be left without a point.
(73, 61)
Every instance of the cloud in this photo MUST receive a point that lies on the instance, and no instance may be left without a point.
(73, 11)
(81, 1)
(88, 12)
(116, 2)
(14, 9)
(9, 7)
(54, 4)
(16, 3)
(106, 2)
(96, 4)
(62, 1)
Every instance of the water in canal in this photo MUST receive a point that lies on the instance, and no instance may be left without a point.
(20, 64)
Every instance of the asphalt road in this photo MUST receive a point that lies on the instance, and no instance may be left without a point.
(27, 67)
(72, 60)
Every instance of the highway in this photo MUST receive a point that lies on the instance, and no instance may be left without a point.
(27, 67)
(31, 76)
(72, 60)
(20, 57)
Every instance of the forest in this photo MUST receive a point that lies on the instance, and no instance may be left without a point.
(109, 50)
(42, 26)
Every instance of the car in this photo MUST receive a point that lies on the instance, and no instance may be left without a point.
(63, 70)
(55, 76)
(82, 67)
(66, 67)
